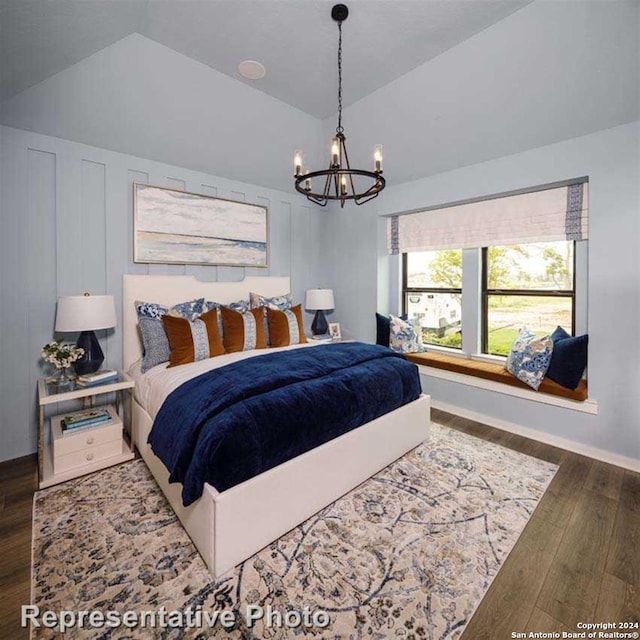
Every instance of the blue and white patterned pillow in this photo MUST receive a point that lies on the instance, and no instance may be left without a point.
(404, 337)
(530, 357)
(242, 306)
(150, 309)
(190, 310)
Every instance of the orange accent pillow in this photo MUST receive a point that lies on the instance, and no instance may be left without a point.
(286, 327)
(243, 331)
(195, 340)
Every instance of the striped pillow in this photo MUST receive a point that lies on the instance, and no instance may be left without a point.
(276, 302)
(243, 331)
(240, 305)
(286, 327)
(191, 341)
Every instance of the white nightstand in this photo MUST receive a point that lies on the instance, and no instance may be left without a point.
(90, 449)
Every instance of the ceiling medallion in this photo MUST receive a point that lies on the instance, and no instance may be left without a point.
(340, 181)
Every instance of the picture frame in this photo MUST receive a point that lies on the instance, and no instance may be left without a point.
(180, 227)
(334, 331)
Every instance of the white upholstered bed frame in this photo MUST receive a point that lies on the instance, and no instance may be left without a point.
(229, 527)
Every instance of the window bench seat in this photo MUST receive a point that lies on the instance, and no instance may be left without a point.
(494, 372)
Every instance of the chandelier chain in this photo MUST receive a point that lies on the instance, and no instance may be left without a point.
(339, 128)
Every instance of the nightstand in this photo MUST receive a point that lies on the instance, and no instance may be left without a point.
(88, 450)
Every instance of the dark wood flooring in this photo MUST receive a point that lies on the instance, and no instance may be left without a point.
(578, 559)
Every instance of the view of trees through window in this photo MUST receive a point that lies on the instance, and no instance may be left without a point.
(528, 285)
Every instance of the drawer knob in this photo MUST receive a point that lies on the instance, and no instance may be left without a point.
(90, 440)
(89, 456)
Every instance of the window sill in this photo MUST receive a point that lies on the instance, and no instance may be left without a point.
(454, 369)
(464, 355)
(448, 351)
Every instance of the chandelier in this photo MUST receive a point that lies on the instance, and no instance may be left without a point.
(340, 181)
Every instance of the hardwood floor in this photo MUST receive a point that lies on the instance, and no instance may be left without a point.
(18, 481)
(578, 559)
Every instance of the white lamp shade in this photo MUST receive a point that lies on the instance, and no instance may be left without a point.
(320, 299)
(85, 313)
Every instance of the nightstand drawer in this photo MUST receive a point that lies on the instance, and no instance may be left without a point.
(70, 442)
(86, 438)
(87, 455)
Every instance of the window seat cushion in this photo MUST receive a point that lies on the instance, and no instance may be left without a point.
(495, 372)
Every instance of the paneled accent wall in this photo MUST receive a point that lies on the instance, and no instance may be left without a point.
(67, 227)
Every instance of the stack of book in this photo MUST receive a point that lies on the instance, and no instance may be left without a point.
(85, 419)
(99, 377)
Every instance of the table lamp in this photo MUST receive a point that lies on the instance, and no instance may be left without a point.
(319, 300)
(86, 314)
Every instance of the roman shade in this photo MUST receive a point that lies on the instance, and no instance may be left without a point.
(540, 215)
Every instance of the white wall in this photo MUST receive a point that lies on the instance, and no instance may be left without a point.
(611, 159)
(66, 212)
(142, 98)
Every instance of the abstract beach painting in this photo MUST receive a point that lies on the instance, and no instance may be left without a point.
(176, 227)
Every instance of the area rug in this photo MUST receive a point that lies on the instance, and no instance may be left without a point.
(408, 554)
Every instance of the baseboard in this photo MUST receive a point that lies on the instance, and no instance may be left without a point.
(563, 443)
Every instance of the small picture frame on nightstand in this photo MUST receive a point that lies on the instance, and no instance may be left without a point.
(334, 331)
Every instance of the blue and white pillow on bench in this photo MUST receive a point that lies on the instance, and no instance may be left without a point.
(404, 337)
(530, 357)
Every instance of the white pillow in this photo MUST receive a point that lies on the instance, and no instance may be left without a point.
(404, 337)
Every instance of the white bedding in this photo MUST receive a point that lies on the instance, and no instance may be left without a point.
(153, 387)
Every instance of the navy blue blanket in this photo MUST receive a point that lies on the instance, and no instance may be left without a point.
(233, 423)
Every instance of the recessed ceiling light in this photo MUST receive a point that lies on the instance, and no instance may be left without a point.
(252, 70)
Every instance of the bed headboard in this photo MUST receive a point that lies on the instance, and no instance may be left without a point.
(170, 290)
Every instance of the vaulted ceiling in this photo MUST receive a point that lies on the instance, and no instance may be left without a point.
(295, 40)
(440, 83)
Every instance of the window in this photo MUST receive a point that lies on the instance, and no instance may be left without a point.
(526, 285)
(530, 285)
(525, 264)
(432, 295)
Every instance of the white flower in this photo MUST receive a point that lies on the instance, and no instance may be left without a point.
(61, 354)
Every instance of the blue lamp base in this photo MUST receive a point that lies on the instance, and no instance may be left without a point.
(92, 357)
(319, 326)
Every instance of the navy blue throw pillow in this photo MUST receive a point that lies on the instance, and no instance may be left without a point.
(569, 358)
(383, 329)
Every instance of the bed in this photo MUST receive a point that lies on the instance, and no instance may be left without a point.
(228, 527)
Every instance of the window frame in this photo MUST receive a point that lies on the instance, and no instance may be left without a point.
(406, 291)
(546, 293)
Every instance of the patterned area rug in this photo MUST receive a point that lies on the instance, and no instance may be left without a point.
(408, 554)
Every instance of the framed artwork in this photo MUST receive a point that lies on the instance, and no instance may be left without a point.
(334, 331)
(177, 227)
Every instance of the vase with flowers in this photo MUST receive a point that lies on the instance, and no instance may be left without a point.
(62, 355)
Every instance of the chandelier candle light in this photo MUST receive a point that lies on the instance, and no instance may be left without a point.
(338, 179)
